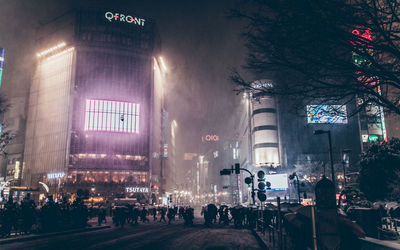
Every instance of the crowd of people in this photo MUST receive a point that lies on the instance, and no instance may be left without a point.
(241, 216)
(131, 214)
(26, 217)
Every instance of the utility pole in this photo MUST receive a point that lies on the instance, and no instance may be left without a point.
(319, 132)
(227, 171)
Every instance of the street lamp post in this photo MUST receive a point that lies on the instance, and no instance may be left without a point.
(229, 171)
(319, 132)
(344, 163)
(291, 177)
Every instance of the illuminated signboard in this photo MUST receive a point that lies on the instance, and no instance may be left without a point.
(55, 175)
(2, 51)
(279, 182)
(137, 189)
(111, 116)
(17, 170)
(327, 114)
(210, 138)
(119, 17)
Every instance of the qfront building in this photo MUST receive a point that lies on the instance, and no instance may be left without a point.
(95, 106)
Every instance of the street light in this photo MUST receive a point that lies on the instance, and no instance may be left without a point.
(345, 154)
(319, 132)
(291, 177)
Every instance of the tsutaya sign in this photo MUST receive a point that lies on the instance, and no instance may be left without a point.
(137, 189)
(112, 17)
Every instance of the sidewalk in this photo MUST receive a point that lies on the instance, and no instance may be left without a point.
(92, 227)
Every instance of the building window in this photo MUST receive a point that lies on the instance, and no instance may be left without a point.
(111, 116)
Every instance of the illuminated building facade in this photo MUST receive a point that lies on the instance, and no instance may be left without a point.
(264, 126)
(95, 105)
(278, 138)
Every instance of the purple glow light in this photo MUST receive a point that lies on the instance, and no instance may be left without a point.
(112, 116)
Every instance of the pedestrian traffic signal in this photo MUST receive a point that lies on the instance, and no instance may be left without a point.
(237, 168)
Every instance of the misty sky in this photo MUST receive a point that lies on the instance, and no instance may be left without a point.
(199, 44)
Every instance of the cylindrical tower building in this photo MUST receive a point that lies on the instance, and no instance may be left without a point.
(264, 126)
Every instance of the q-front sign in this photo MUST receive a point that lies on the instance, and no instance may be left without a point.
(119, 17)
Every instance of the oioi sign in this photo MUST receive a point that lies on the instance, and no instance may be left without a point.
(123, 18)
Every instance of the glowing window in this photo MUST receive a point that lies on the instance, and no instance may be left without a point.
(111, 116)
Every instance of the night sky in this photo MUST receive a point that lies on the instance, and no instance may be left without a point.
(199, 44)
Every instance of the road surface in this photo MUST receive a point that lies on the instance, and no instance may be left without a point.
(153, 235)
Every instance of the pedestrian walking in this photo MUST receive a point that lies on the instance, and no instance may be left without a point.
(162, 212)
(143, 215)
(154, 210)
(170, 215)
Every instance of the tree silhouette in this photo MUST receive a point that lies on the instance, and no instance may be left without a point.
(326, 50)
(380, 171)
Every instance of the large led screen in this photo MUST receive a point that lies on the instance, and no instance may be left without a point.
(111, 116)
(327, 114)
(279, 182)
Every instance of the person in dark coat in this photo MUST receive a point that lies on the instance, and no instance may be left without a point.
(143, 215)
(162, 212)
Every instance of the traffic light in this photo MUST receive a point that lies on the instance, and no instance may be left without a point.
(225, 172)
(261, 186)
(248, 180)
(237, 168)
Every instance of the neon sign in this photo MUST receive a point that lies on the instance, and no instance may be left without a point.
(367, 34)
(123, 18)
(2, 51)
(55, 175)
(137, 189)
(210, 138)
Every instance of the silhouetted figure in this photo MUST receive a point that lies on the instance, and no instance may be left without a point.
(136, 213)
(101, 216)
(143, 215)
(162, 212)
(154, 210)
(181, 212)
(170, 215)
(28, 213)
(188, 216)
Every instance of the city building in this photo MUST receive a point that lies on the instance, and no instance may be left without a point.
(96, 106)
(278, 138)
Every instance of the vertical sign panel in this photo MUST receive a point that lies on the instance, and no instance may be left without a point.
(2, 51)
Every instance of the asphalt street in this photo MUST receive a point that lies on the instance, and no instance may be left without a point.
(153, 235)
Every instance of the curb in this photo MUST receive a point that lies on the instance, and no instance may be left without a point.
(259, 239)
(40, 236)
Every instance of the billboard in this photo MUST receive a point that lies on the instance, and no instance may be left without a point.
(327, 114)
(2, 51)
(279, 182)
(111, 116)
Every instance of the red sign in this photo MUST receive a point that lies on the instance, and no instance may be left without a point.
(210, 138)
